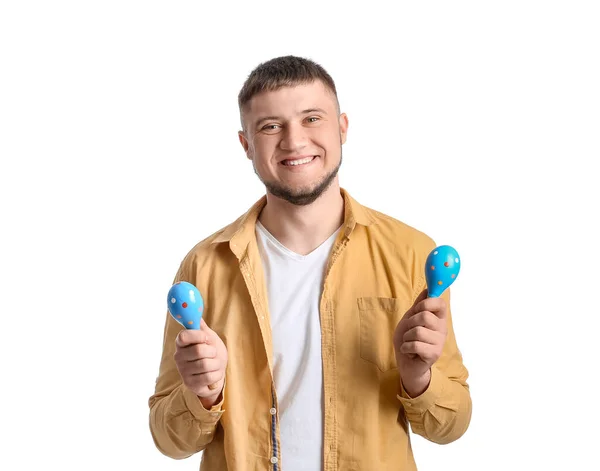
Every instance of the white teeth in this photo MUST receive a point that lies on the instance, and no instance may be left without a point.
(299, 162)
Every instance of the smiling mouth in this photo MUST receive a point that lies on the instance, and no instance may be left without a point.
(295, 162)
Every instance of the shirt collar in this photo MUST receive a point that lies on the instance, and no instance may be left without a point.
(240, 232)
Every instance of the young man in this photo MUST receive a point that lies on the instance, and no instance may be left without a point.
(318, 344)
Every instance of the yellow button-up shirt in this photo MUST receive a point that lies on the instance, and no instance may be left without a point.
(374, 273)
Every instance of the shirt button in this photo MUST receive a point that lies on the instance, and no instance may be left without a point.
(273, 411)
(274, 460)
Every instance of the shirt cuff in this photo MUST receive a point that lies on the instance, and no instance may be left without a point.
(198, 411)
(425, 401)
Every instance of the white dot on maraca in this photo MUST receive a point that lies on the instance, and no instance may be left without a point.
(435, 253)
(456, 260)
(192, 297)
(173, 300)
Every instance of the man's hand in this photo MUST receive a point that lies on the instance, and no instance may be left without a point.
(418, 342)
(201, 358)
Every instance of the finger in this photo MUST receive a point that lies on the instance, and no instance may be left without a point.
(202, 366)
(422, 334)
(196, 352)
(186, 338)
(206, 379)
(200, 351)
(412, 311)
(426, 319)
(435, 305)
(423, 350)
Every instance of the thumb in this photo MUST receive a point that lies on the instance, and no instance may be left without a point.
(421, 297)
(205, 328)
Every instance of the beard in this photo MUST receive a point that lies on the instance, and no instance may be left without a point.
(300, 196)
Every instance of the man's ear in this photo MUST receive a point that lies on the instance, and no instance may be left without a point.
(343, 127)
(244, 142)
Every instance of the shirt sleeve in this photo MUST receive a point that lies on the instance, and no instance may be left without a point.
(179, 423)
(442, 413)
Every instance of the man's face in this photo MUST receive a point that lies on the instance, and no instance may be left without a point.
(294, 138)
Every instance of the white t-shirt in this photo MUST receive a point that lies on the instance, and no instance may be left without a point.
(294, 284)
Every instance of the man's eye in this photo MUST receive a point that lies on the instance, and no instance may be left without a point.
(313, 119)
(271, 127)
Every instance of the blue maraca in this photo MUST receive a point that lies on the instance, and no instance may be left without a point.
(441, 269)
(185, 304)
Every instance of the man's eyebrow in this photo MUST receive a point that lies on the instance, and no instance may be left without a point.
(314, 110)
(266, 118)
(275, 118)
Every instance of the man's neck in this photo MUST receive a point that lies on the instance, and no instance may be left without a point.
(304, 228)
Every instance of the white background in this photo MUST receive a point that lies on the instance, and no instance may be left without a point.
(476, 122)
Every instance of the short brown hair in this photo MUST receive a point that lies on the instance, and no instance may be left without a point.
(285, 71)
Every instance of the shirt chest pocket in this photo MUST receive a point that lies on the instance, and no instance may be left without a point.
(378, 320)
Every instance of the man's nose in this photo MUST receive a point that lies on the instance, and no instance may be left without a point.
(294, 138)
